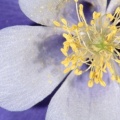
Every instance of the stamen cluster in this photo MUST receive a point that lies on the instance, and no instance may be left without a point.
(95, 44)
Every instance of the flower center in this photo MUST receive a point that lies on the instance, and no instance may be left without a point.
(95, 44)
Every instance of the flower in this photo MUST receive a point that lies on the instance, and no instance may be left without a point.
(31, 69)
(98, 41)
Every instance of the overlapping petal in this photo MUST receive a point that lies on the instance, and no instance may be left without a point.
(113, 5)
(75, 101)
(46, 11)
(30, 66)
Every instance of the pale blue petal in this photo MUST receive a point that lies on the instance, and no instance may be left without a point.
(113, 5)
(75, 101)
(30, 67)
(46, 11)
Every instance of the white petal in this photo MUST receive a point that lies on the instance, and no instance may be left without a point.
(75, 101)
(113, 5)
(46, 11)
(30, 66)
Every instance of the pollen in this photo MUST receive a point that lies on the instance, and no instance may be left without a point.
(95, 44)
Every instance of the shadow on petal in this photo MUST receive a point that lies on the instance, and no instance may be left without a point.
(49, 51)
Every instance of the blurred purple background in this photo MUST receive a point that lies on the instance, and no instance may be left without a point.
(10, 14)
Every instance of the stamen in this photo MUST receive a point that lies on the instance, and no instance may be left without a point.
(96, 43)
(76, 1)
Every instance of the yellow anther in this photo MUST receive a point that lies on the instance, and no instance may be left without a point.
(110, 68)
(118, 61)
(111, 35)
(96, 15)
(66, 36)
(67, 70)
(73, 67)
(76, 0)
(90, 83)
(101, 75)
(96, 80)
(80, 24)
(102, 83)
(113, 27)
(74, 60)
(110, 17)
(87, 29)
(118, 79)
(113, 77)
(73, 46)
(64, 51)
(66, 62)
(81, 7)
(81, 10)
(66, 44)
(117, 10)
(78, 72)
(56, 23)
(92, 22)
(104, 68)
(64, 21)
(74, 27)
(91, 75)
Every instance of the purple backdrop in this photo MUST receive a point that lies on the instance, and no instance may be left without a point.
(10, 14)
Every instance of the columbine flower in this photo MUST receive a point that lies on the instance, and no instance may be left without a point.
(30, 60)
(99, 41)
